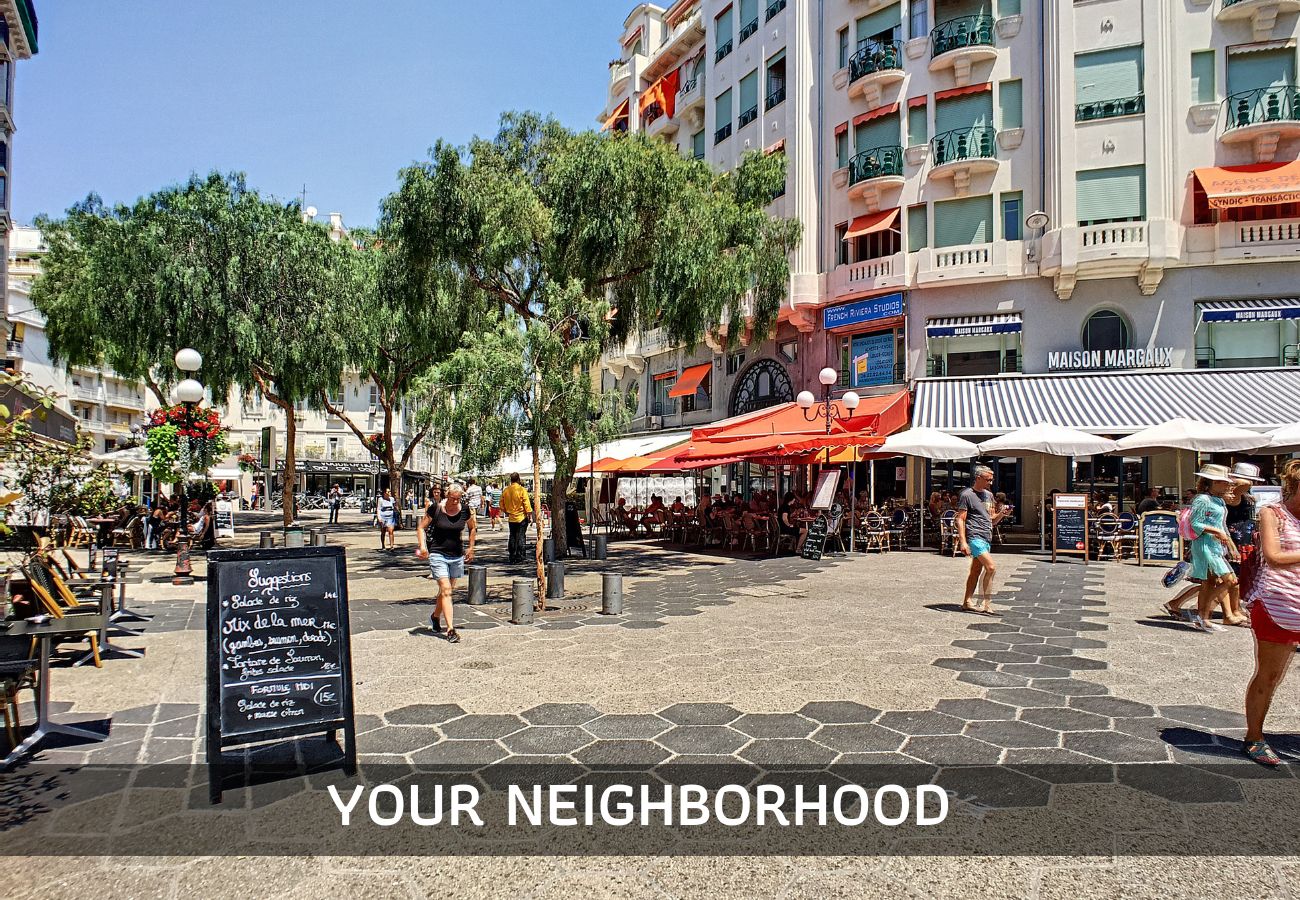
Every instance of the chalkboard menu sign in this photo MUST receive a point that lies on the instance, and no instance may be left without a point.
(815, 544)
(278, 650)
(1160, 541)
(1070, 525)
(225, 523)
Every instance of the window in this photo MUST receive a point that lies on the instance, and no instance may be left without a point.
(748, 19)
(961, 222)
(919, 25)
(1008, 8)
(1012, 206)
(333, 448)
(335, 397)
(1203, 76)
(917, 228)
(748, 99)
(374, 396)
(1111, 195)
(789, 351)
(722, 116)
(879, 132)
(842, 147)
(1108, 83)
(963, 112)
(775, 80)
(723, 33)
(869, 360)
(843, 36)
(1260, 69)
(702, 398)
(660, 403)
(1242, 345)
(883, 26)
(735, 362)
(1010, 104)
(697, 144)
(1105, 330)
(917, 133)
(253, 403)
(876, 245)
(841, 245)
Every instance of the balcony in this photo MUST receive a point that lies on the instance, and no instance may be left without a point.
(747, 116)
(619, 72)
(874, 169)
(723, 51)
(1237, 241)
(85, 394)
(1262, 14)
(1142, 249)
(1263, 117)
(970, 263)
(875, 66)
(959, 43)
(690, 101)
(722, 134)
(773, 8)
(679, 44)
(654, 122)
(963, 152)
(748, 30)
(133, 402)
(851, 279)
(1109, 109)
(775, 98)
(14, 348)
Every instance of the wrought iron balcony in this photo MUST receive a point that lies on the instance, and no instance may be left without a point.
(878, 162)
(748, 30)
(1109, 109)
(775, 97)
(964, 31)
(747, 116)
(976, 142)
(722, 133)
(1262, 106)
(773, 8)
(722, 51)
(872, 57)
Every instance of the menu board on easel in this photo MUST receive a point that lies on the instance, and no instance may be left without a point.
(1158, 539)
(1070, 525)
(828, 483)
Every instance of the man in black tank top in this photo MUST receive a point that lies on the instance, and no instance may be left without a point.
(440, 542)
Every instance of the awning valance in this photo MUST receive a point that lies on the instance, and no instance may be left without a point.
(974, 326)
(872, 222)
(663, 92)
(1262, 184)
(1249, 310)
(611, 454)
(690, 380)
(876, 113)
(619, 113)
(1109, 403)
(963, 91)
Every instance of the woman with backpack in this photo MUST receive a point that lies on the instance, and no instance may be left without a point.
(1274, 610)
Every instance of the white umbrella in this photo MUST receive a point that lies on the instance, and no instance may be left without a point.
(132, 459)
(1192, 434)
(926, 443)
(1051, 440)
(1284, 440)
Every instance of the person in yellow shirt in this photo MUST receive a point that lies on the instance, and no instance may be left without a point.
(518, 507)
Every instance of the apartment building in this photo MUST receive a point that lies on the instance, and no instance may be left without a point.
(18, 35)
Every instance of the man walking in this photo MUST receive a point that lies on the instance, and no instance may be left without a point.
(336, 502)
(517, 506)
(439, 541)
(975, 531)
(473, 497)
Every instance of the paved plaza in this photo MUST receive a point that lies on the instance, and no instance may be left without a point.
(1091, 746)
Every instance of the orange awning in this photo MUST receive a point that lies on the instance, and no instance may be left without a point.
(663, 92)
(962, 91)
(690, 380)
(619, 113)
(1263, 184)
(916, 101)
(875, 114)
(872, 222)
(842, 128)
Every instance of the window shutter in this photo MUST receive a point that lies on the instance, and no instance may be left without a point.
(749, 91)
(963, 112)
(882, 132)
(965, 221)
(916, 130)
(722, 109)
(1008, 7)
(1111, 195)
(916, 228)
(723, 27)
(1203, 76)
(1011, 104)
(1108, 75)
(886, 19)
(748, 12)
(1260, 69)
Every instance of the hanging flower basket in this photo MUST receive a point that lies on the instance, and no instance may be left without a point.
(181, 442)
(248, 463)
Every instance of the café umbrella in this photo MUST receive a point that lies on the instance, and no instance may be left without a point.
(1049, 440)
(1192, 434)
(926, 443)
(1284, 440)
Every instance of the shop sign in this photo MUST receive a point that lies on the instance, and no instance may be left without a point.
(872, 358)
(886, 307)
(329, 467)
(1153, 358)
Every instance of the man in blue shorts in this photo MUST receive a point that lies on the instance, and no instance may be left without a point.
(975, 531)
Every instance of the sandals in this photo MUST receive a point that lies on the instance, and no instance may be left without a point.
(1262, 753)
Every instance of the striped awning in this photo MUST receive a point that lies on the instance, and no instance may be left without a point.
(1110, 403)
(973, 326)
(1249, 310)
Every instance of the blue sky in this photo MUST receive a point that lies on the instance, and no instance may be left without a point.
(126, 96)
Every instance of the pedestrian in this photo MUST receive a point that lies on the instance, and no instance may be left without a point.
(1212, 547)
(336, 503)
(518, 507)
(975, 523)
(473, 497)
(440, 542)
(252, 497)
(1150, 502)
(409, 503)
(1274, 610)
(386, 516)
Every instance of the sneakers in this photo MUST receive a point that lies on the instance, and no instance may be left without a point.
(453, 637)
(434, 623)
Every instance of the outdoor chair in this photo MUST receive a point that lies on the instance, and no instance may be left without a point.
(128, 535)
(949, 539)
(1108, 535)
(874, 535)
(17, 671)
(61, 604)
(1128, 535)
(898, 521)
(80, 533)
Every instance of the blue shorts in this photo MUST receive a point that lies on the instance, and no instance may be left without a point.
(978, 547)
(446, 567)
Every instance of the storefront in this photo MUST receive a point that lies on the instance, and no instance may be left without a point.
(1237, 334)
(317, 476)
(973, 345)
(868, 338)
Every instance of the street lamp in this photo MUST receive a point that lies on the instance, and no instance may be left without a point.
(187, 393)
(825, 410)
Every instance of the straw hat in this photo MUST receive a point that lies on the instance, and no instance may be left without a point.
(1214, 472)
(1246, 472)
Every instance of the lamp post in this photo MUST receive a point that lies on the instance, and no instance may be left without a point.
(813, 409)
(188, 393)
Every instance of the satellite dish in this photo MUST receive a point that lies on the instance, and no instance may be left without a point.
(311, 212)
(1037, 219)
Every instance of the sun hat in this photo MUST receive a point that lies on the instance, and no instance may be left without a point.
(1215, 472)
(1246, 472)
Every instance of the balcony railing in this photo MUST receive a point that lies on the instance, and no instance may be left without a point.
(652, 112)
(957, 257)
(722, 133)
(13, 346)
(748, 30)
(965, 31)
(618, 71)
(773, 8)
(747, 116)
(722, 51)
(1114, 234)
(1272, 104)
(689, 86)
(1109, 109)
(976, 142)
(877, 162)
(777, 96)
(873, 57)
(1227, 3)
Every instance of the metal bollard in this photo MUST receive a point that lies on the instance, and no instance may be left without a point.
(548, 550)
(611, 594)
(293, 538)
(602, 546)
(477, 585)
(265, 540)
(319, 539)
(555, 581)
(523, 597)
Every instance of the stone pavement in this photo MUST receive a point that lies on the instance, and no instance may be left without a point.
(1091, 746)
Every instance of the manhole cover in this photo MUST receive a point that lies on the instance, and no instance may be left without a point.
(478, 664)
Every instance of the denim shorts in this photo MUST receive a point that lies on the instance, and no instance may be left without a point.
(447, 567)
(978, 547)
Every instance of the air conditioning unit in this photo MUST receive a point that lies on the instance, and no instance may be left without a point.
(653, 422)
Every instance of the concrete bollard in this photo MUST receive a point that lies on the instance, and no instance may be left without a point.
(265, 540)
(548, 550)
(602, 546)
(611, 594)
(477, 585)
(523, 596)
(555, 581)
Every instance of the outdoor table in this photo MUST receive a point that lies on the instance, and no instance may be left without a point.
(103, 527)
(45, 633)
(107, 608)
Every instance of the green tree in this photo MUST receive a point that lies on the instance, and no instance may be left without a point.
(211, 265)
(566, 241)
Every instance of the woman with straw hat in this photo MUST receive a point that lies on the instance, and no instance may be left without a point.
(1212, 547)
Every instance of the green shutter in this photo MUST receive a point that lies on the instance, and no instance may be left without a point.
(722, 109)
(1011, 104)
(886, 19)
(916, 132)
(723, 27)
(965, 221)
(955, 9)
(963, 112)
(1203, 76)
(1107, 75)
(748, 12)
(697, 144)
(749, 91)
(916, 228)
(1260, 69)
(1109, 195)
(1008, 7)
(842, 149)
(881, 132)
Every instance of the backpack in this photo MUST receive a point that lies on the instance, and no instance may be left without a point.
(1185, 524)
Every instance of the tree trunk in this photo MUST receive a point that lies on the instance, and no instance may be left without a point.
(290, 467)
(559, 521)
(537, 518)
(395, 479)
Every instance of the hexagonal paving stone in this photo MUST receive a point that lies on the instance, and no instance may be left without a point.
(621, 755)
(995, 786)
(1181, 784)
(1115, 747)
(921, 722)
(993, 679)
(839, 712)
(700, 713)
(397, 739)
(1059, 766)
(627, 727)
(774, 725)
(952, 750)
(782, 753)
(456, 754)
(482, 727)
(1066, 719)
(974, 710)
(1113, 707)
(547, 739)
(1204, 716)
(1026, 697)
(702, 739)
(1036, 670)
(1070, 687)
(560, 714)
(962, 664)
(424, 714)
(860, 738)
(1013, 734)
